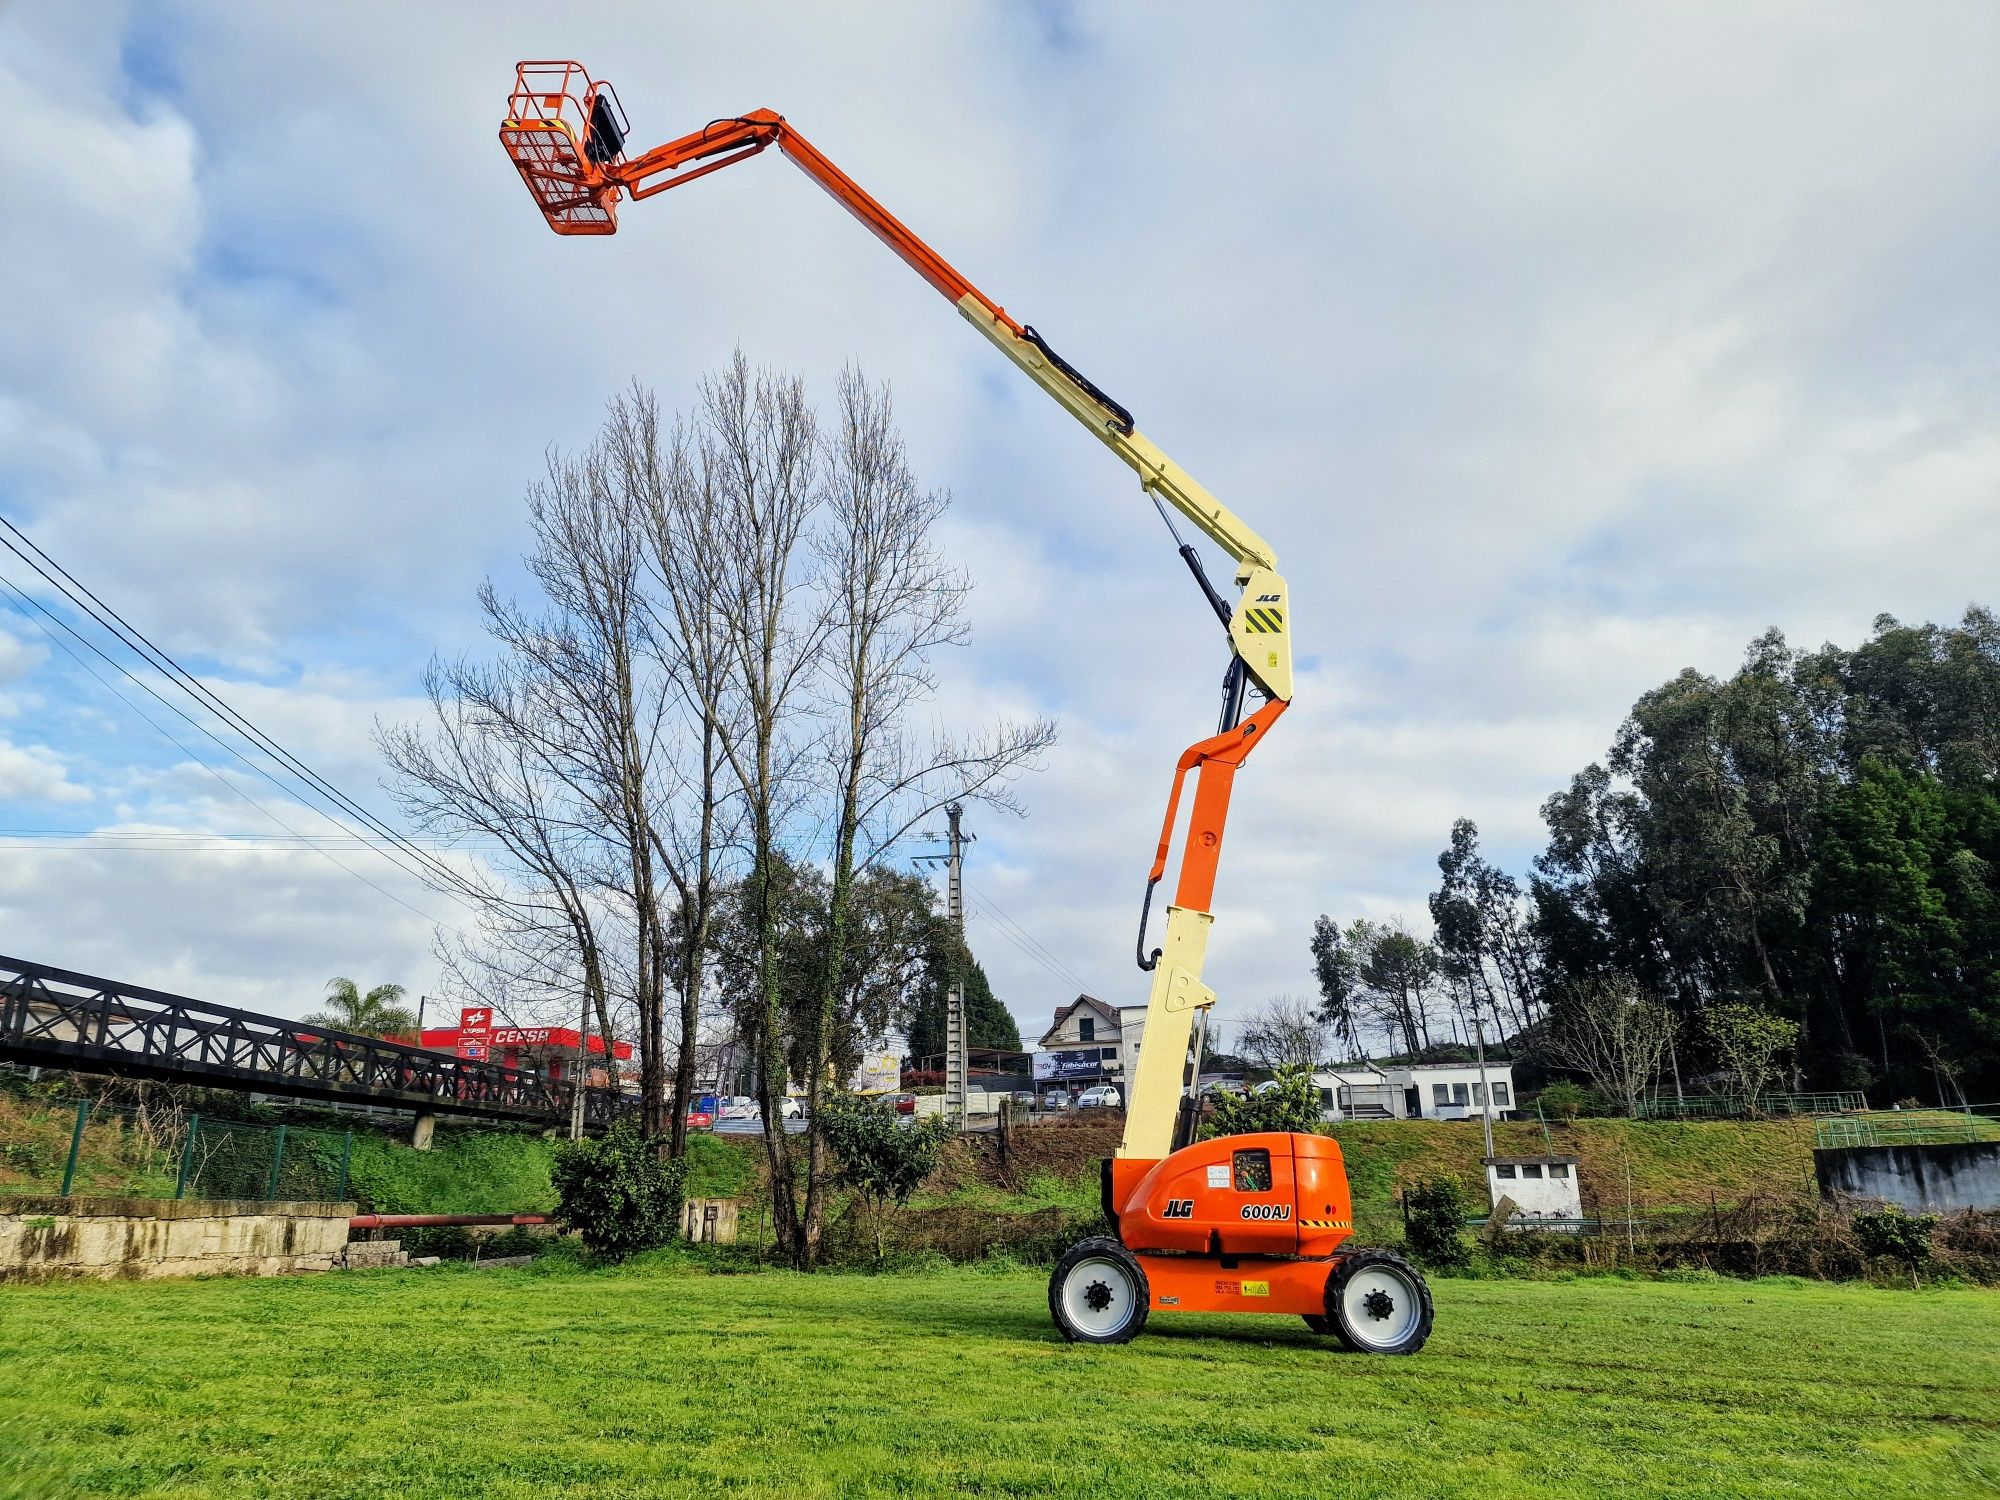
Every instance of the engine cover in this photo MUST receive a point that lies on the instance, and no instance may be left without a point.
(1239, 1195)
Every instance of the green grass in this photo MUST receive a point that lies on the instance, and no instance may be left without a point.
(1663, 1164)
(660, 1380)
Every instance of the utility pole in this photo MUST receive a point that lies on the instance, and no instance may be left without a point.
(1485, 1092)
(583, 1069)
(957, 1089)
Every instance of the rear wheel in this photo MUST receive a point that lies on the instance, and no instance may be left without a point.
(1377, 1303)
(1098, 1293)
(1318, 1322)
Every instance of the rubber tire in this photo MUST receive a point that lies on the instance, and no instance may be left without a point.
(1344, 1267)
(1318, 1322)
(1100, 1248)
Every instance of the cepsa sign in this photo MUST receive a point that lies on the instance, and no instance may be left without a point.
(475, 1020)
(528, 1036)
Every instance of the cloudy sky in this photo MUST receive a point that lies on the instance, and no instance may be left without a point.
(1554, 347)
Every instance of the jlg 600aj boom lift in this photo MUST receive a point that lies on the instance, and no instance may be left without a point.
(1249, 1223)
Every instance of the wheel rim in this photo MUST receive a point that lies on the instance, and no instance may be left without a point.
(1380, 1306)
(1099, 1295)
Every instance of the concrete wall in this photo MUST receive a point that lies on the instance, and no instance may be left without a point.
(1939, 1179)
(710, 1221)
(148, 1237)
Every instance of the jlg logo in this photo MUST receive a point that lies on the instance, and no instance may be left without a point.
(1267, 598)
(1278, 1211)
(1179, 1208)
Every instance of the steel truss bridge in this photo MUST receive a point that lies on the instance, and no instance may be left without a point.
(55, 1018)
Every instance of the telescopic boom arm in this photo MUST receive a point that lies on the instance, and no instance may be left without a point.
(565, 133)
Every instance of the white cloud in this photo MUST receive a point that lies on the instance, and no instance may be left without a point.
(1554, 351)
(34, 773)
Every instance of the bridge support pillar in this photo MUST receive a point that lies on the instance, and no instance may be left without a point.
(423, 1130)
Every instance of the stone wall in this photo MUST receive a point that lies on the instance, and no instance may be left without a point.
(148, 1237)
(1936, 1179)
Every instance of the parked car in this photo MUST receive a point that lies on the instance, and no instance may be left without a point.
(906, 1104)
(1055, 1099)
(1024, 1097)
(700, 1119)
(736, 1107)
(1103, 1096)
(792, 1109)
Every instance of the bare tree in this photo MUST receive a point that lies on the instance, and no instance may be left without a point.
(1284, 1032)
(894, 601)
(475, 769)
(1615, 1035)
(759, 449)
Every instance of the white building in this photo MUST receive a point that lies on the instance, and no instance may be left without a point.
(1542, 1187)
(1416, 1091)
(1085, 1044)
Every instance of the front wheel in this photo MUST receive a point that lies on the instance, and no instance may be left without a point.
(1098, 1293)
(1377, 1303)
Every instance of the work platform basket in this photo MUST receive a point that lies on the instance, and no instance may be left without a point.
(563, 130)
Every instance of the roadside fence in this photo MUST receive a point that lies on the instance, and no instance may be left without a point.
(87, 1147)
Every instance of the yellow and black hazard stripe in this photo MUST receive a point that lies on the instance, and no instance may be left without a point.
(1264, 621)
(1324, 1224)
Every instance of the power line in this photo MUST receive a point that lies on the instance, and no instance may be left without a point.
(140, 644)
(997, 910)
(190, 754)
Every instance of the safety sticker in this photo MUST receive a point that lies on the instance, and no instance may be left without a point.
(1256, 1288)
(1218, 1175)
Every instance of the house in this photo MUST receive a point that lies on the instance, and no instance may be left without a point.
(1090, 1041)
(1413, 1091)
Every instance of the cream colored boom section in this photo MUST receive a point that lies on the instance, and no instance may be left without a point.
(1157, 473)
(1153, 1090)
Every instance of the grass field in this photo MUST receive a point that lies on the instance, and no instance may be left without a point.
(661, 1380)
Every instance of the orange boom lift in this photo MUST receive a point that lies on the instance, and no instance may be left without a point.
(1249, 1223)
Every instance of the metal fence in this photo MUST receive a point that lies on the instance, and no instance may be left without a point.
(1913, 1127)
(81, 1147)
(1733, 1107)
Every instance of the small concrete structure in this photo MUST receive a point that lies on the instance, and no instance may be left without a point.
(709, 1221)
(1927, 1179)
(1541, 1187)
(142, 1238)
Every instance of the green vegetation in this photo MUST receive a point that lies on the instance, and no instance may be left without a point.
(617, 1193)
(1439, 1208)
(468, 1170)
(464, 1172)
(1660, 1163)
(654, 1379)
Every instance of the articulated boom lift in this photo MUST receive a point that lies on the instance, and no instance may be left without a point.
(1250, 1223)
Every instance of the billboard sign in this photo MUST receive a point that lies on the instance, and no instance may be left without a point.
(878, 1073)
(1054, 1066)
(475, 1020)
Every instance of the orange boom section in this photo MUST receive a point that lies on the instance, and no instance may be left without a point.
(565, 133)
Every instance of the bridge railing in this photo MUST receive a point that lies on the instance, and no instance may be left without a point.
(59, 1018)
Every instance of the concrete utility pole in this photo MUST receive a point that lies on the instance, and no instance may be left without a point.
(956, 1084)
(1485, 1091)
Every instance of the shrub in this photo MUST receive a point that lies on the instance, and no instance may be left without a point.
(1897, 1235)
(882, 1157)
(518, 1240)
(1437, 1219)
(1563, 1100)
(617, 1192)
(445, 1241)
(1292, 1106)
